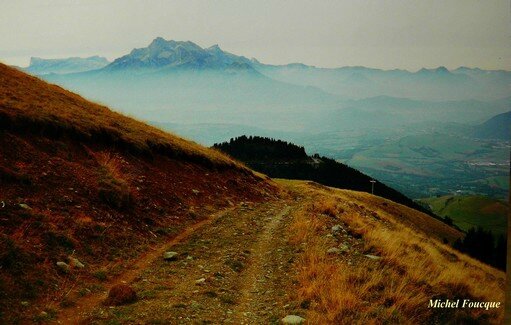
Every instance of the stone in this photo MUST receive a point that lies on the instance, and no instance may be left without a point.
(120, 294)
(74, 262)
(170, 256)
(373, 257)
(293, 319)
(64, 267)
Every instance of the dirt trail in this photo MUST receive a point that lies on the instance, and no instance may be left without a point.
(233, 268)
(86, 304)
(250, 307)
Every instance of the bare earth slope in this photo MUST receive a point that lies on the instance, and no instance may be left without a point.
(259, 262)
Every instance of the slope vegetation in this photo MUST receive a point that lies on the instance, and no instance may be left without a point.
(86, 191)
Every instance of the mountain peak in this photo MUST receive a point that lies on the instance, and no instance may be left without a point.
(158, 42)
(442, 69)
(162, 53)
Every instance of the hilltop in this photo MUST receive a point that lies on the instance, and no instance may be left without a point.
(178, 54)
(98, 205)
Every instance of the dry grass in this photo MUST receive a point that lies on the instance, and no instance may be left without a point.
(30, 104)
(395, 289)
(114, 186)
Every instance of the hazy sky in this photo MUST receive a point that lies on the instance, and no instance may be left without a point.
(385, 34)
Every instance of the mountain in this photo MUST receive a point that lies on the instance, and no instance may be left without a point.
(395, 112)
(175, 54)
(105, 219)
(498, 127)
(180, 82)
(39, 66)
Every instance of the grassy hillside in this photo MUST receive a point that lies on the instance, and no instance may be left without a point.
(30, 104)
(389, 267)
(472, 211)
(79, 182)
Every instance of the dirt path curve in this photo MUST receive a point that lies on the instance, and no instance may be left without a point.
(236, 270)
(86, 304)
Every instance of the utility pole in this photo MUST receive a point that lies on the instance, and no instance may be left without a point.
(372, 185)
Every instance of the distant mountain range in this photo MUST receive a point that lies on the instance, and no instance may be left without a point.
(39, 66)
(439, 84)
(181, 82)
